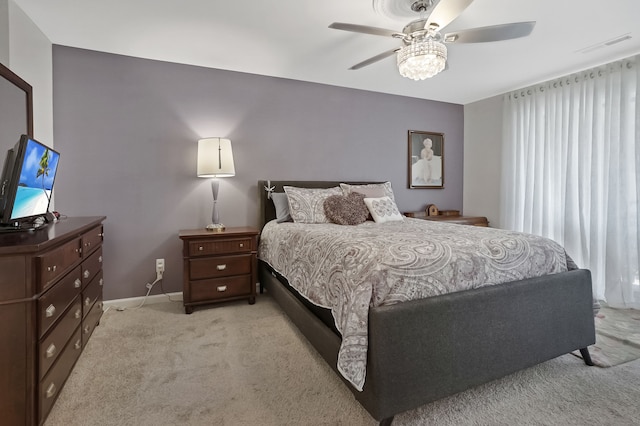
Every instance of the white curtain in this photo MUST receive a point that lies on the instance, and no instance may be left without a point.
(571, 172)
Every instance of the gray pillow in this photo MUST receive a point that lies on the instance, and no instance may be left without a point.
(281, 203)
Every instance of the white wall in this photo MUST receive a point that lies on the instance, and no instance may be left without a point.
(482, 157)
(4, 32)
(30, 57)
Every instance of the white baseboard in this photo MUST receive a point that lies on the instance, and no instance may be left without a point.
(133, 302)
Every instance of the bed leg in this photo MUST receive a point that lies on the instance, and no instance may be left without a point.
(386, 422)
(586, 356)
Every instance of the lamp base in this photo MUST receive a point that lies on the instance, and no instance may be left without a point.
(215, 227)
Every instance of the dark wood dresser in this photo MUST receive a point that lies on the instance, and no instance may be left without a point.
(219, 266)
(462, 220)
(50, 302)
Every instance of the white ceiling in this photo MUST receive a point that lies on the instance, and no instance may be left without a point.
(290, 39)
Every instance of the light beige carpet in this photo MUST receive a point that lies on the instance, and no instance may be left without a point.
(617, 337)
(241, 364)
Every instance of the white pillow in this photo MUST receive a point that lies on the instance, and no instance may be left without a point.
(306, 205)
(371, 190)
(383, 209)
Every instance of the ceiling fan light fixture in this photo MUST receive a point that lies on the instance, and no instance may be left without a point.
(422, 59)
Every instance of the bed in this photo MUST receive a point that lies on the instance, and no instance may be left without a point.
(422, 350)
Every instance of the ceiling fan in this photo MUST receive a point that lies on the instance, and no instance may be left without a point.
(423, 53)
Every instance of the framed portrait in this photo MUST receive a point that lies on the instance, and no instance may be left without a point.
(426, 159)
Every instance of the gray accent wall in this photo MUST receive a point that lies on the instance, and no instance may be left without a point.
(127, 131)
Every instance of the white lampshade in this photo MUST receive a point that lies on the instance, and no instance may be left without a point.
(215, 158)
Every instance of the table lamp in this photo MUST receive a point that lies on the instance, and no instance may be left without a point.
(215, 160)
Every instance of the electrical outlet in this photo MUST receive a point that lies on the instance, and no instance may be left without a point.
(159, 266)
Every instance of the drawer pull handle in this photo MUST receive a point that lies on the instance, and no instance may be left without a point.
(241, 245)
(51, 350)
(101, 282)
(77, 283)
(51, 390)
(78, 313)
(87, 301)
(222, 288)
(100, 259)
(88, 244)
(78, 344)
(101, 235)
(52, 268)
(86, 329)
(86, 273)
(200, 248)
(221, 267)
(50, 311)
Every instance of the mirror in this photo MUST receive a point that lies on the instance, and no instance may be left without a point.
(16, 108)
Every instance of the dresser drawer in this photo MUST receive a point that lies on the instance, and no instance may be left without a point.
(220, 288)
(55, 263)
(53, 344)
(91, 240)
(91, 293)
(54, 302)
(220, 266)
(52, 383)
(91, 321)
(91, 266)
(220, 246)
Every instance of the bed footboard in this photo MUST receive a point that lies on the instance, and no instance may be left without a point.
(424, 350)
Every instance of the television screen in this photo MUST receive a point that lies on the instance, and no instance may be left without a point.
(30, 171)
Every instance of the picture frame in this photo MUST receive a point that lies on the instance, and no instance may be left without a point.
(426, 160)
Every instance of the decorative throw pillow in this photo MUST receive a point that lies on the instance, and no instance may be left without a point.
(306, 205)
(371, 190)
(383, 209)
(281, 203)
(346, 209)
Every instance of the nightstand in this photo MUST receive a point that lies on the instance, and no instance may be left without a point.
(462, 220)
(219, 266)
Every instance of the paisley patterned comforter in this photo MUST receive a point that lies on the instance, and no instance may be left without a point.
(350, 268)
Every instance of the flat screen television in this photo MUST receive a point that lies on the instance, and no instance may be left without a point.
(27, 183)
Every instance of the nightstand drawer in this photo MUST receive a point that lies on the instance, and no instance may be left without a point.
(220, 246)
(220, 266)
(220, 288)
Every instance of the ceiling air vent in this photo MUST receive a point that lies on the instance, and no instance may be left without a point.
(606, 43)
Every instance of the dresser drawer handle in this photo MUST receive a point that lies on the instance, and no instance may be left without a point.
(88, 244)
(77, 283)
(241, 245)
(51, 390)
(86, 273)
(101, 282)
(78, 313)
(87, 301)
(78, 344)
(200, 248)
(221, 267)
(50, 311)
(101, 235)
(222, 288)
(51, 350)
(86, 329)
(52, 268)
(99, 259)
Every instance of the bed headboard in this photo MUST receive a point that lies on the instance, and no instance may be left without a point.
(267, 209)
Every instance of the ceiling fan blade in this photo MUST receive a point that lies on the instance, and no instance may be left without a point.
(446, 11)
(363, 29)
(374, 59)
(492, 33)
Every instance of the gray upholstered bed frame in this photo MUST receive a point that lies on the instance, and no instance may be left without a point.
(424, 350)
